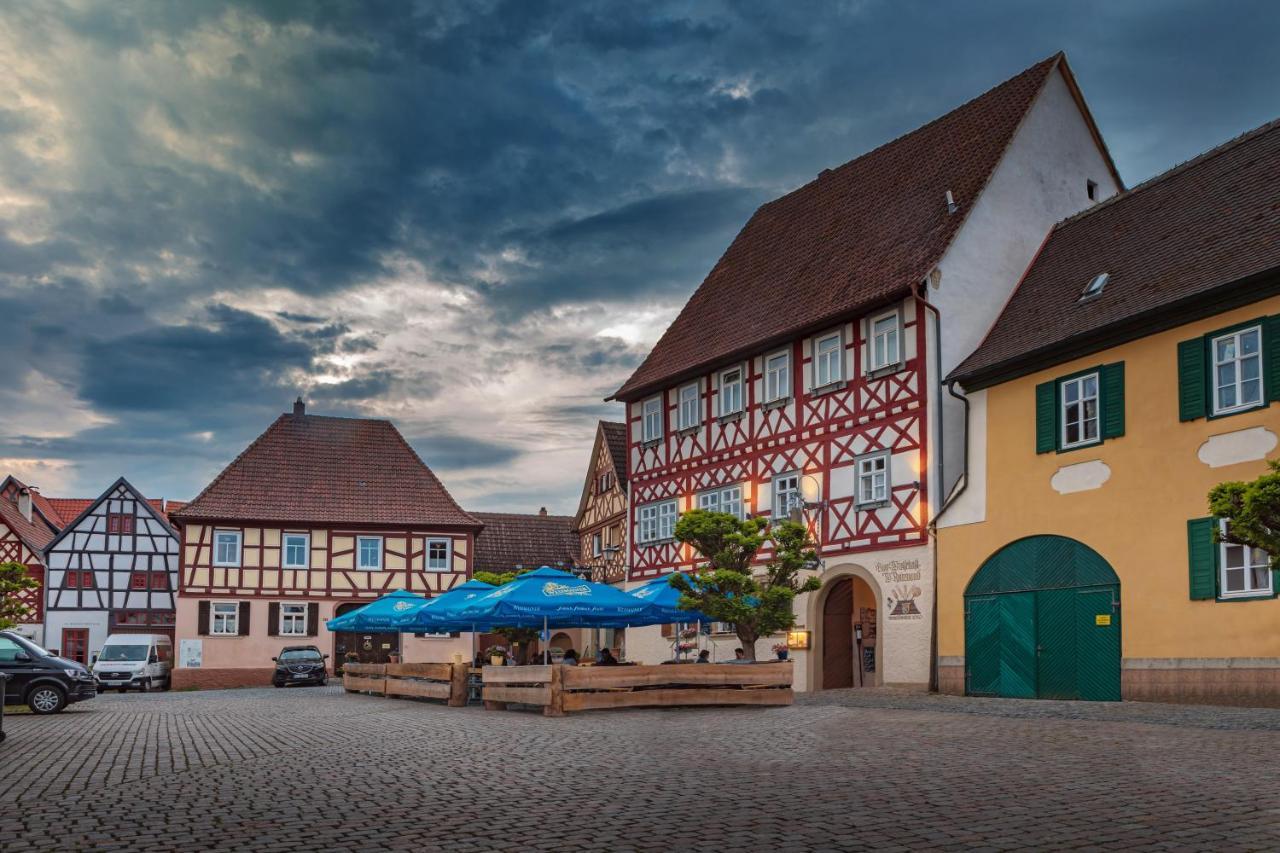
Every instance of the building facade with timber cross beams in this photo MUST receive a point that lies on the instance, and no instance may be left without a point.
(803, 377)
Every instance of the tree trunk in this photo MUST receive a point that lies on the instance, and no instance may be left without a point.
(748, 637)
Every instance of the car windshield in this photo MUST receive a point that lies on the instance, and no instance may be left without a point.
(296, 655)
(121, 653)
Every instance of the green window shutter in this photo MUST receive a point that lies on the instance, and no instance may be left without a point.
(1192, 400)
(1112, 381)
(1046, 417)
(1202, 557)
(1271, 352)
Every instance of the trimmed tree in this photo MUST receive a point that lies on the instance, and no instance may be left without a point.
(725, 587)
(1253, 512)
(14, 580)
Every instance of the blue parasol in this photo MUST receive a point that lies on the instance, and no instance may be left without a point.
(440, 613)
(377, 616)
(662, 602)
(550, 598)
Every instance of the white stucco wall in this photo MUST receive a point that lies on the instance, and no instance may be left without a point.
(1040, 181)
(970, 507)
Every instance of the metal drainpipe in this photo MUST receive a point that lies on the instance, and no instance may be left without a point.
(919, 296)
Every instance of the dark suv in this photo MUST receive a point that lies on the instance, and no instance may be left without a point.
(43, 682)
(300, 665)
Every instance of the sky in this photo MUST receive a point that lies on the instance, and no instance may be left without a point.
(472, 218)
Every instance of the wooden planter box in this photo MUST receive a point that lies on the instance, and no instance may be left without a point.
(560, 689)
(447, 681)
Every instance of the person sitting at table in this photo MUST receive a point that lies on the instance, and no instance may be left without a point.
(607, 658)
(704, 656)
(570, 658)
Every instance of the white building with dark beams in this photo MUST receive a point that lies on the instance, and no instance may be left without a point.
(112, 569)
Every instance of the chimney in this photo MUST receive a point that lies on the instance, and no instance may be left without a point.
(24, 503)
(299, 408)
(542, 511)
(952, 207)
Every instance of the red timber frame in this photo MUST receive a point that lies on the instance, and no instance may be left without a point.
(297, 582)
(812, 434)
(14, 550)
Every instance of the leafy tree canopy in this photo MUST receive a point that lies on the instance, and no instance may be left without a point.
(1253, 510)
(726, 587)
(14, 580)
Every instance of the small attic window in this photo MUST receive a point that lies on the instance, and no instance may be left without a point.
(1094, 287)
(1091, 187)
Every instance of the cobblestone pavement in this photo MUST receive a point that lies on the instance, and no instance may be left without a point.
(318, 769)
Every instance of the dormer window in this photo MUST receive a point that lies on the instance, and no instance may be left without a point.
(1094, 287)
(730, 391)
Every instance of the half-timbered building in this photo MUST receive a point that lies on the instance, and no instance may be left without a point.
(27, 523)
(113, 568)
(318, 516)
(802, 379)
(512, 541)
(601, 521)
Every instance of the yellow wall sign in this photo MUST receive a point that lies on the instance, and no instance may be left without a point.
(1102, 619)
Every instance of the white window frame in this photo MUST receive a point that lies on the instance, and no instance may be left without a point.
(689, 406)
(777, 380)
(651, 419)
(657, 522)
(293, 622)
(893, 336)
(723, 499)
(231, 619)
(360, 540)
(1237, 363)
(739, 392)
(1251, 559)
(306, 551)
(865, 470)
(597, 544)
(831, 360)
(1081, 400)
(217, 547)
(796, 498)
(448, 553)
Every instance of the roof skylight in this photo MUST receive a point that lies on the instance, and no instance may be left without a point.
(1094, 287)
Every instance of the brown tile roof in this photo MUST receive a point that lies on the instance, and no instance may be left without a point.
(68, 509)
(859, 235)
(35, 533)
(328, 470)
(616, 435)
(1166, 245)
(512, 539)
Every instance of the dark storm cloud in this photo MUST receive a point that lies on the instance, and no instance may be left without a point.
(452, 452)
(237, 358)
(557, 168)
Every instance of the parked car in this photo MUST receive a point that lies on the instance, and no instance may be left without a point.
(300, 665)
(43, 682)
(134, 662)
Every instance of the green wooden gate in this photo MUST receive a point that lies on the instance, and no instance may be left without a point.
(1042, 620)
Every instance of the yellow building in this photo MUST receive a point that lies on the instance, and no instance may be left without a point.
(1136, 366)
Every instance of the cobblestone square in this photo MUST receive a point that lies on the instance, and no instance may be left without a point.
(264, 769)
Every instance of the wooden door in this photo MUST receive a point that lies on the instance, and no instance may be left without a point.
(75, 644)
(837, 636)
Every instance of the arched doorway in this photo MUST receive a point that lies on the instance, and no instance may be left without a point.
(369, 647)
(849, 634)
(1042, 621)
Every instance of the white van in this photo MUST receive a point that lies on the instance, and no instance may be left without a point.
(134, 661)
